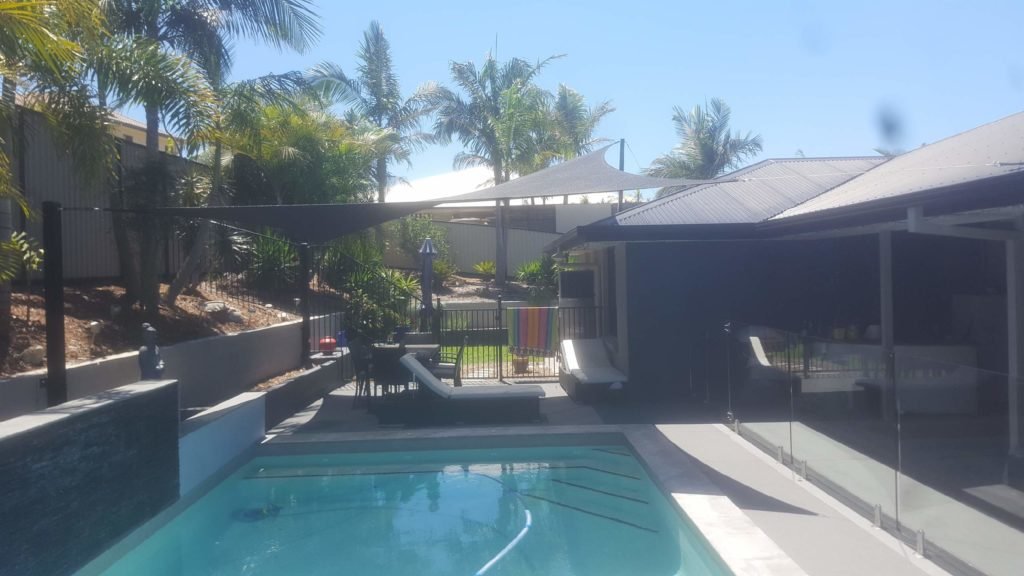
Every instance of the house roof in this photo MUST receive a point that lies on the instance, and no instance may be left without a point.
(974, 170)
(752, 194)
(991, 150)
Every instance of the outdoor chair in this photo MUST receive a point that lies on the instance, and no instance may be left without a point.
(439, 403)
(362, 367)
(386, 371)
(585, 370)
(451, 368)
(767, 378)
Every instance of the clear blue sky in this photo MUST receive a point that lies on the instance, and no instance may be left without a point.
(806, 75)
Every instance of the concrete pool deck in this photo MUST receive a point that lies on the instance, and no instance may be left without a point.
(709, 471)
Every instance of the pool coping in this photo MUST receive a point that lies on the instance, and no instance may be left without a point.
(741, 545)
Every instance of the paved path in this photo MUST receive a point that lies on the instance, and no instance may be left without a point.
(805, 523)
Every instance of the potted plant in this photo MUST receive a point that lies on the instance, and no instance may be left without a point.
(520, 364)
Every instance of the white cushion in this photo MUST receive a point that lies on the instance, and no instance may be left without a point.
(587, 361)
(425, 378)
(478, 392)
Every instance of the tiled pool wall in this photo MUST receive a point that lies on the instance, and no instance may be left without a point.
(76, 478)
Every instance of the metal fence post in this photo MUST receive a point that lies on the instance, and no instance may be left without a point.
(304, 279)
(53, 283)
(499, 319)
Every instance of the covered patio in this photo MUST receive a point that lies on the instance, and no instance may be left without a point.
(857, 319)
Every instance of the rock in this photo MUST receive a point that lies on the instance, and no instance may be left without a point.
(235, 316)
(214, 307)
(33, 355)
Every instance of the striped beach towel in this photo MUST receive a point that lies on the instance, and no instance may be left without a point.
(532, 330)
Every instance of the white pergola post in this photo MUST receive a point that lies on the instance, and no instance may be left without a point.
(1015, 335)
(889, 401)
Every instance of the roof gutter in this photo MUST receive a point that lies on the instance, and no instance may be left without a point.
(654, 233)
(978, 194)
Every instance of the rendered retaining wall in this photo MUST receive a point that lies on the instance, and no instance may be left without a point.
(76, 478)
(208, 370)
(289, 397)
(214, 438)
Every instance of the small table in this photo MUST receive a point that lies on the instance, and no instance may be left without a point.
(388, 371)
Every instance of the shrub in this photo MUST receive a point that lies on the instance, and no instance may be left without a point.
(540, 276)
(410, 232)
(443, 273)
(406, 284)
(485, 268)
(270, 262)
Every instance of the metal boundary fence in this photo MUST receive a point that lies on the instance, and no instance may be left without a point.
(485, 332)
(240, 272)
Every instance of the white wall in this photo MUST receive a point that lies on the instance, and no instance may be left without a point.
(472, 243)
(569, 216)
(213, 438)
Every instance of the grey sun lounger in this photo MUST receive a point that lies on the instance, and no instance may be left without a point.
(585, 371)
(436, 402)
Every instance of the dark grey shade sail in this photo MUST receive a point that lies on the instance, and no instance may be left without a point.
(311, 223)
(589, 174)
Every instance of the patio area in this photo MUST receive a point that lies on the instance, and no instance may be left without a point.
(817, 532)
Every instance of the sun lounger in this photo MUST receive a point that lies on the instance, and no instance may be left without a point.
(438, 403)
(586, 371)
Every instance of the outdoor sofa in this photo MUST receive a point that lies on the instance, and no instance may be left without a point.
(435, 402)
(585, 370)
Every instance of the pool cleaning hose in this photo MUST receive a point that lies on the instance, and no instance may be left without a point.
(509, 546)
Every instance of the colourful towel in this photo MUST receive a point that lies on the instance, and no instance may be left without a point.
(532, 330)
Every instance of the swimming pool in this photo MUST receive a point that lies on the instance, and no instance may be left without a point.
(574, 510)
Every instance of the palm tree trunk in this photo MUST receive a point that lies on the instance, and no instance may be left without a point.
(501, 235)
(382, 190)
(187, 275)
(149, 244)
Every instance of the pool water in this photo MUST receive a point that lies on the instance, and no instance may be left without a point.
(593, 511)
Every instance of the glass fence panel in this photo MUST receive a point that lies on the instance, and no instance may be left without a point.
(761, 388)
(958, 485)
(844, 423)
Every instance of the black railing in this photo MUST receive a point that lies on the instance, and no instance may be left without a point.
(489, 353)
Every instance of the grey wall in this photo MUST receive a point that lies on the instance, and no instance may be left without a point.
(289, 397)
(76, 478)
(681, 294)
(50, 174)
(209, 370)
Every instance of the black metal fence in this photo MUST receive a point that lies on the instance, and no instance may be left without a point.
(252, 278)
(489, 354)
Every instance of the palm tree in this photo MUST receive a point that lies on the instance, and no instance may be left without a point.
(37, 49)
(200, 32)
(707, 148)
(575, 122)
(239, 116)
(484, 120)
(496, 121)
(374, 94)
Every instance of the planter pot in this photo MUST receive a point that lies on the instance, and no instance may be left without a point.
(520, 364)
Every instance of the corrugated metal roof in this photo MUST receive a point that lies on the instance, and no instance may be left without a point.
(752, 194)
(991, 150)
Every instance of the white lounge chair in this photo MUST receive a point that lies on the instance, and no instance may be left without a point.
(586, 371)
(437, 402)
